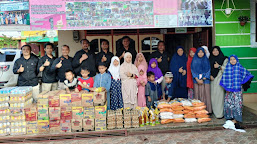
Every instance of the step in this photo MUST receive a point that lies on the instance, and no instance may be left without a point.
(251, 106)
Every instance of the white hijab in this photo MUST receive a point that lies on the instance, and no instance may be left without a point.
(115, 70)
(207, 51)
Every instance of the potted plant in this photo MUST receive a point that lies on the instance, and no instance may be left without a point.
(243, 20)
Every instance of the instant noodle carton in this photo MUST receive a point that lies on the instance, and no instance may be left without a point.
(32, 127)
(55, 126)
(88, 124)
(54, 101)
(66, 113)
(65, 100)
(43, 95)
(99, 98)
(89, 112)
(31, 114)
(87, 99)
(100, 112)
(43, 126)
(100, 124)
(76, 99)
(54, 113)
(76, 125)
(43, 113)
(18, 128)
(77, 112)
(65, 125)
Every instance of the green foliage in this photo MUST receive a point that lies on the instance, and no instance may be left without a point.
(8, 42)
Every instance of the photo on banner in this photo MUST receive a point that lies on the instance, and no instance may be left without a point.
(109, 14)
(14, 15)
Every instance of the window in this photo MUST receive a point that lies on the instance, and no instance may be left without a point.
(95, 44)
(119, 44)
(149, 45)
(7, 56)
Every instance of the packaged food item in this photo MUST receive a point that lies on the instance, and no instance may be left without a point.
(164, 105)
(177, 108)
(202, 116)
(175, 116)
(201, 120)
(43, 113)
(198, 108)
(166, 110)
(157, 118)
(89, 112)
(190, 120)
(66, 113)
(152, 117)
(201, 112)
(76, 100)
(43, 126)
(178, 112)
(31, 114)
(54, 113)
(88, 124)
(175, 103)
(100, 124)
(42, 102)
(65, 125)
(87, 99)
(54, 101)
(77, 113)
(100, 112)
(165, 121)
(65, 100)
(32, 127)
(76, 125)
(55, 126)
(186, 102)
(99, 98)
(189, 115)
(197, 103)
(178, 120)
(43, 95)
(190, 108)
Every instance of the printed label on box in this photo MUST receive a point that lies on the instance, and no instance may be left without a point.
(66, 113)
(55, 113)
(100, 112)
(87, 99)
(77, 113)
(65, 100)
(76, 99)
(76, 124)
(54, 126)
(66, 125)
(54, 101)
(89, 112)
(43, 126)
(88, 124)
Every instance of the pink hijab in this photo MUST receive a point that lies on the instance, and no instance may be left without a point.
(142, 77)
(137, 63)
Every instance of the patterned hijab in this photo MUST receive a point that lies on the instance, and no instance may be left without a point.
(115, 70)
(234, 76)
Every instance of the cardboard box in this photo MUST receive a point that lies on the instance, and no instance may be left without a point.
(66, 113)
(77, 112)
(43, 95)
(99, 98)
(54, 101)
(43, 126)
(42, 102)
(76, 99)
(100, 112)
(88, 124)
(87, 99)
(89, 112)
(43, 113)
(65, 100)
(76, 125)
(54, 113)
(65, 125)
(31, 127)
(55, 126)
(100, 124)
(31, 114)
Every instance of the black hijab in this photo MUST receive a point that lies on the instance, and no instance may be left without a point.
(219, 59)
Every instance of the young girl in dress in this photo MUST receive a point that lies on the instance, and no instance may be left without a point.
(153, 67)
(233, 79)
(200, 68)
(190, 83)
(128, 74)
(116, 95)
(141, 82)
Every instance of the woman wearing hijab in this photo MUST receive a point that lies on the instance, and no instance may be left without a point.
(190, 83)
(178, 66)
(234, 76)
(153, 67)
(218, 64)
(128, 75)
(200, 68)
(116, 94)
(140, 60)
(206, 51)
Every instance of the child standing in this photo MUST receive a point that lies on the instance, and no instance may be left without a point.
(151, 91)
(168, 90)
(190, 83)
(233, 79)
(87, 82)
(116, 95)
(153, 67)
(103, 79)
(141, 82)
(71, 83)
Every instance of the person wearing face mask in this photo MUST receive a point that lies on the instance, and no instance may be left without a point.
(218, 64)
(26, 68)
(84, 58)
(104, 56)
(201, 70)
(178, 66)
(235, 80)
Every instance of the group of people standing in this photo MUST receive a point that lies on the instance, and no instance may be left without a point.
(130, 81)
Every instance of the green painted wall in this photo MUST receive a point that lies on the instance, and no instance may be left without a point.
(236, 39)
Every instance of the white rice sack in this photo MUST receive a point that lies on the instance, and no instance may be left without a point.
(190, 120)
(166, 117)
(186, 102)
(178, 116)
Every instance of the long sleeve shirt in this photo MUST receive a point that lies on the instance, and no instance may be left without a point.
(66, 65)
(164, 64)
(48, 76)
(103, 80)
